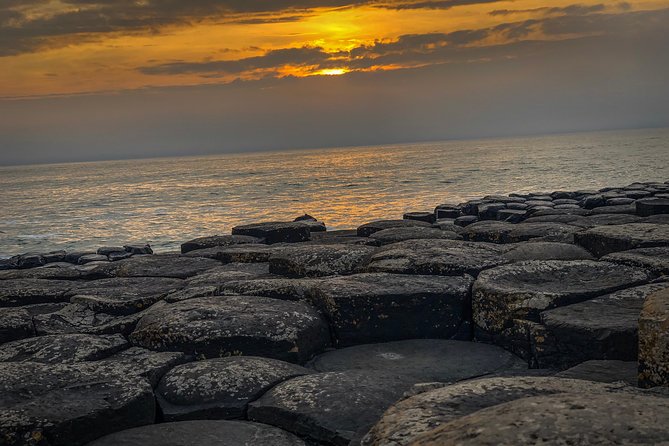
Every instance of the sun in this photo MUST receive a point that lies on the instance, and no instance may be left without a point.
(333, 71)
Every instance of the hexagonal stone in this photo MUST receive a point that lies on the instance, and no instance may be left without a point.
(366, 308)
(155, 266)
(220, 388)
(286, 289)
(546, 251)
(17, 322)
(630, 419)
(503, 232)
(69, 404)
(420, 216)
(78, 318)
(653, 259)
(619, 209)
(346, 237)
(212, 327)
(247, 253)
(51, 271)
(225, 273)
(276, 232)
(19, 292)
(328, 408)
(438, 257)
(218, 240)
(394, 235)
(191, 293)
(62, 349)
(121, 295)
(605, 327)
(370, 228)
(604, 371)
(654, 340)
(201, 432)
(604, 240)
(319, 260)
(652, 206)
(421, 360)
(410, 418)
(141, 362)
(522, 290)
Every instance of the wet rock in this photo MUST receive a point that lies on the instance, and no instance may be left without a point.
(420, 216)
(604, 240)
(629, 419)
(144, 363)
(319, 260)
(601, 328)
(465, 220)
(447, 211)
(394, 235)
(503, 232)
(19, 292)
(546, 251)
(408, 419)
(138, 249)
(69, 405)
(522, 290)
(247, 253)
(653, 259)
(438, 257)
(62, 349)
(285, 289)
(620, 209)
(124, 295)
(654, 340)
(78, 318)
(155, 266)
(218, 240)
(276, 232)
(652, 206)
(212, 327)
(603, 371)
(489, 211)
(329, 408)
(421, 360)
(370, 228)
(366, 308)
(202, 432)
(220, 388)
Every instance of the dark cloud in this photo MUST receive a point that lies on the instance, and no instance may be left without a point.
(575, 9)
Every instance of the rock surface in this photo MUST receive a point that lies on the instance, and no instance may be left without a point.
(370, 228)
(605, 371)
(218, 240)
(276, 232)
(653, 259)
(155, 266)
(62, 349)
(546, 251)
(654, 340)
(394, 235)
(504, 232)
(604, 240)
(319, 260)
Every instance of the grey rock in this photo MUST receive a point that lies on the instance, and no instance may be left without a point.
(545, 211)
(611, 219)
(218, 240)
(654, 340)
(202, 432)
(276, 232)
(394, 235)
(220, 388)
(246, 253)
(466, 220)
(319, 260)
(370, 228)
(78, 318)
(106, 250)
(651, 206)
(232, 271)
(593, 201)
(155, 266)
(17, 322)
(437, 257)
(116, 256)
(365, 308)
(511, 215)
(19, 292)
(546, 251)
(420, 216)
(285, 289)
(69, 405)
(62, 349)
(619, 201)
(212, 327)
(620, 209)
(52, 271)
(144, 363)
(605, 371)
(139, 249)
(447, 211)
(653, 259)
(30, 260)
(346, 237)
(488, 211)
(503, 232)
(90, 258)
(191, 293)
(604, 240)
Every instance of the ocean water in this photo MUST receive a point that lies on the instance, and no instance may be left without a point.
(170, 200)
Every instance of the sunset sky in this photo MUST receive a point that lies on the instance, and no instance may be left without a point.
(103, 79)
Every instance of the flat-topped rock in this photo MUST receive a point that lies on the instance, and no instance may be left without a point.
(17, 322)
(437, 257)
(653, 259)
(218, 240)
(560, 419)
(276, 232)
(370, 228)
(394, 235)
(51, 271)
(141, 362)
(62, 349)
(365, 308)
(605, 371)
(522, 290)
(421, 360)
(19, 292)
(124, 295)
(504, 232)
(155, 266)
(319, 260)
(341, 237)
(410, 418)
(225, 273)
(654, 340)
(328, 408)
(646, 207)
(601, 328)
(220, 388)
(79, 318)
(212, 327)
(602, 240)
(202, 432)
(420, 216)
(247, 253)
(619, 209)
(546, 251)
(286, 289)
(69, 404)
(192, 293)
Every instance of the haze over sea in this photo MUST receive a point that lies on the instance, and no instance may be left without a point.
(167, 201)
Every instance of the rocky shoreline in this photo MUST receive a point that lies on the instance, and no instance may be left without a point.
(516, 319)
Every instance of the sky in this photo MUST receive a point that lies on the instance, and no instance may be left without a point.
(112, 79)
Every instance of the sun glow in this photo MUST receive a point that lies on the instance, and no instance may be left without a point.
(333, 71)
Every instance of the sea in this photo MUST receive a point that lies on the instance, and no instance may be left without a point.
(166, 201)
